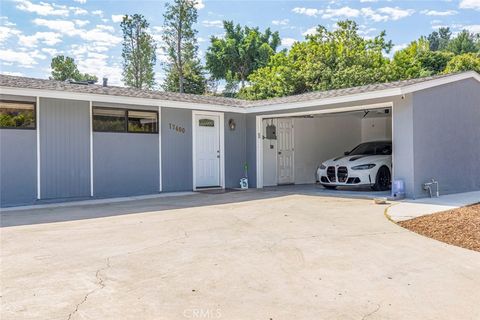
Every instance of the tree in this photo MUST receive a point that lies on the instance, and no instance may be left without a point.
(64, 68)
(464, 62)
(439, 40)
(326, 60)
(464, 42)
(138, 52)
(184, 71)
(240, 52)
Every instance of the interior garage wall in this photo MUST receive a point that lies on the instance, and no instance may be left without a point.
(18, 162)
(177, 167)
(446, 143)
(235, 144)
(64, 148)
(125, 164)
(376, 128)
(319, 139)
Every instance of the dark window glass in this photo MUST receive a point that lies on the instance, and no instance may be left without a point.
(112, 120)
(17, 115)
(142, 121)
(372, 148)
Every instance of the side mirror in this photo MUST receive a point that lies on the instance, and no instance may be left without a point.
(346, 153)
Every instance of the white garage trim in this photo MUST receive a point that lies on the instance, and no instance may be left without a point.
(37, 120)
(259, 119)
(159, 124)
(91, 146)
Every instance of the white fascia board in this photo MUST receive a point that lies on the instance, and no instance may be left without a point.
(117, 99)
(441, 81)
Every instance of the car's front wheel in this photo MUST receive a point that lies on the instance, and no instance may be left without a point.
(383, 180)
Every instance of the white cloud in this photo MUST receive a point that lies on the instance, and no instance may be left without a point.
(340, 12)
(470, 4)
(97, 13)
(363, 1)
(117, 18)
(22, 58)
(5, 22)
(396, 13)
(386, 13)
(18, 74)
(283, 22)
(81, 1)
(81, 23)
(105, 27)
(473, 28)
(7, 32)
(51, 51)
(199, 4)
(439, 13)
(311, 12)
(288, 42)
(42, 8)
(310, 31)
(48, 38)
(63, 26)
(212, 23)
(78, 11)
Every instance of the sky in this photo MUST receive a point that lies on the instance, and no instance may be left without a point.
(32, 32)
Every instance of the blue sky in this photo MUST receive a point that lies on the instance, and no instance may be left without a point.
(32, 32)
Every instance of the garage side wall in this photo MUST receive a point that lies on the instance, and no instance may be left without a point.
(446, 126)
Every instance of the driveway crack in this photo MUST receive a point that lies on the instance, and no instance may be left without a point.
(100, 285)
(369, 314)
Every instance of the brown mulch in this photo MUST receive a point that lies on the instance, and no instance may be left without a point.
(460, 227)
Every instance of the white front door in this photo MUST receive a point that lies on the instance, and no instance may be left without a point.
(207, 150)
(285, 151)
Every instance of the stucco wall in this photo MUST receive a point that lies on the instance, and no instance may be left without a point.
(235, 144)
(446, 137)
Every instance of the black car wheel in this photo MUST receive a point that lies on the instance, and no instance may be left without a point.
(383, 180)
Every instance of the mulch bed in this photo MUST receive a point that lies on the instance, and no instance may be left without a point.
(459, 227)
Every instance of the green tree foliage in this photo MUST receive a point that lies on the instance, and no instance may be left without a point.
(240, 52)
(438, 40)
(138, 52)
(464, 42)
(64, 68)
(326, 60)
(184, 71)
(464, 62)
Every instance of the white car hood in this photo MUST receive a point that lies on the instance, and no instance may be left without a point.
(349, 161)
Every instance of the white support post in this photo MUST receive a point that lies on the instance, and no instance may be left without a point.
(91, 148)
(37, 122)
(159, 149)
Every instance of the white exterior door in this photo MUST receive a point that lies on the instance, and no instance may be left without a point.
(207, 150)
(285, 151)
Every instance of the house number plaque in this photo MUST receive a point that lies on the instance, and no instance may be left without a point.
(176, 128)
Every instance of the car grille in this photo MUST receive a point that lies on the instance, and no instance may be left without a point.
(342, 174)
(331, 174)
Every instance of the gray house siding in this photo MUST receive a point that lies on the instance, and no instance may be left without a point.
(235, 144)
(125, 164)
(177, 167)
(64, 148)
(18, 166)
(446, 137)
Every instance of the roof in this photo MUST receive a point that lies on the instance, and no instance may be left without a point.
(43, 84)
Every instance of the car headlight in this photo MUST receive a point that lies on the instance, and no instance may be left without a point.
(323, 167)
(364, 166)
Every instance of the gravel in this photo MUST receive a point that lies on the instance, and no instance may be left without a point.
(459, 227)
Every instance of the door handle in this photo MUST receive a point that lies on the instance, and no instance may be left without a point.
(279, 152)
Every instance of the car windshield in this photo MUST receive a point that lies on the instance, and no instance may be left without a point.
(372, 148)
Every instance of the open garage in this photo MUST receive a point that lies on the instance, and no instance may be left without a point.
(295, 147)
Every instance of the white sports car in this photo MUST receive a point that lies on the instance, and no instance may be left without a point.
(368, 164)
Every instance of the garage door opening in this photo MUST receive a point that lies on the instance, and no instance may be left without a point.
(294, 148)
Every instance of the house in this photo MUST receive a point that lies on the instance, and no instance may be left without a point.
(63, 140)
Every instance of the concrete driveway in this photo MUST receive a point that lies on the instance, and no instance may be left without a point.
(252, 255)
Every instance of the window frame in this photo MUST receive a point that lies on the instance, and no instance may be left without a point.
(34, 104)
(125, 111)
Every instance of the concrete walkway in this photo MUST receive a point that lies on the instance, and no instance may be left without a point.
(409, 209)
(240, 255)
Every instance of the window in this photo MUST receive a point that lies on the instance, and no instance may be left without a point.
(17, 115)
(142, 121)
(124, 120)
(206, 123)
(109, 120)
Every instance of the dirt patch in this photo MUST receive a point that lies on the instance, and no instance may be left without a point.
(460, 227)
